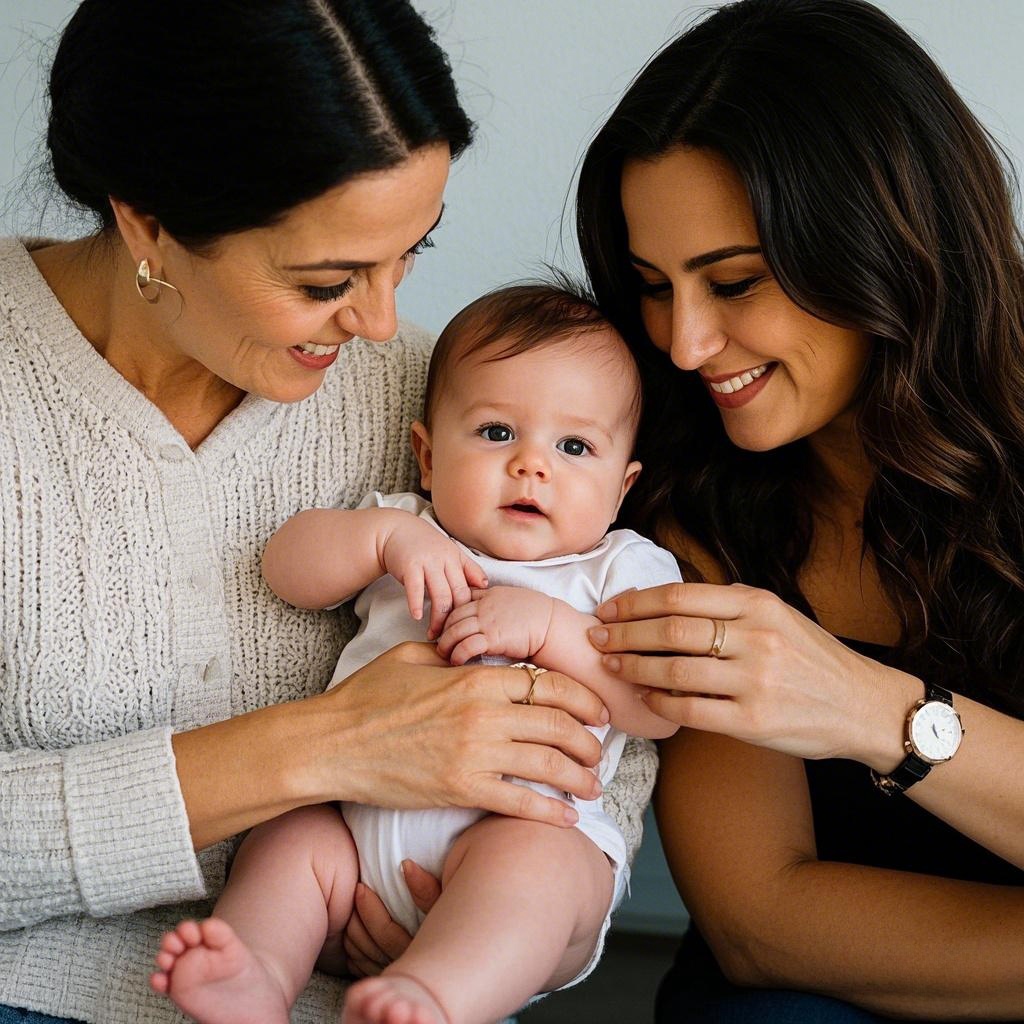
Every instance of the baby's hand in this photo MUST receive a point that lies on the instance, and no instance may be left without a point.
(423, 559)
(507, 621)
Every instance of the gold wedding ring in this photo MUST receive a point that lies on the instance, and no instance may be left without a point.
(535, 671)
(719, 642)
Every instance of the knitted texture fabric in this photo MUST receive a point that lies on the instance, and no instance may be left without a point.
(131, 606)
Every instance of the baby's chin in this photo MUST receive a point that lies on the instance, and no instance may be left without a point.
(507, 549)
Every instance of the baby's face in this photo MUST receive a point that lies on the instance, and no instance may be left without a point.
(528, 457)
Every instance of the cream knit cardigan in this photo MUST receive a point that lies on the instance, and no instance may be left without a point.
(131, 606)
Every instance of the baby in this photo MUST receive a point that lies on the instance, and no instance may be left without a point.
(531, 412)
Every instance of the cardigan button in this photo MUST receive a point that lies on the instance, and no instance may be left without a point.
(173, 453)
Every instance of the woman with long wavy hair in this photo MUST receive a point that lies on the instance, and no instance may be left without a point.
(809, 241)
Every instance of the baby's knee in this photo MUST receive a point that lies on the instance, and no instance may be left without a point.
(317, 834)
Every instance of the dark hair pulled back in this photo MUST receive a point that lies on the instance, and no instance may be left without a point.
(216, 116)
(882, 205)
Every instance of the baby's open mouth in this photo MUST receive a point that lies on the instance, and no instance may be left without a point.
(527, 507)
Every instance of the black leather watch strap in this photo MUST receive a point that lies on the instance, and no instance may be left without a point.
(933, 692)
(911, 769)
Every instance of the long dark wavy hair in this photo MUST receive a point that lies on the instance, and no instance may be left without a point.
(882, 205)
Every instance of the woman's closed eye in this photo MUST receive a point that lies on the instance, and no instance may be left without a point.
(333, 292)
(734, 289)
(653, 289)
(328, 293)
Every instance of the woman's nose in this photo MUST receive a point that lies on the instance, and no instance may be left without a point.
(371, 314)
(697, 334)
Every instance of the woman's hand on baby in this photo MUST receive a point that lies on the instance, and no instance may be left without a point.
(429, 564)
(409, 730)
(778, 680)
(508, 622)
(372, 938)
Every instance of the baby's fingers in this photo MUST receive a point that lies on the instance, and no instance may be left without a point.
(474, 574)
(472, 647)
(440, 592)
(457, 581)
(414, 583)
(455, 631)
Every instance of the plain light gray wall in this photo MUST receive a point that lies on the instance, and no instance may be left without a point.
(537, 76)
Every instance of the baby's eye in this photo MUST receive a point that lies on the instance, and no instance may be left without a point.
(496, 432)
(573, 446)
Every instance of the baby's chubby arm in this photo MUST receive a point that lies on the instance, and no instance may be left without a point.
(323, 556)
(514, 622)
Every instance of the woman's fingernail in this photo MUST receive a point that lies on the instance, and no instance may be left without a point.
(609, 610)
(570, 816)
(611, 662)
(599, 635)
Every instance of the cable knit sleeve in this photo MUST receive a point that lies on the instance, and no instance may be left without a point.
(100, 829)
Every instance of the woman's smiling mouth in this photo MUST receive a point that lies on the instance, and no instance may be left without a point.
(739, 389)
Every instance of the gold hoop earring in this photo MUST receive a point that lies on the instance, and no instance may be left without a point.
(143, 279)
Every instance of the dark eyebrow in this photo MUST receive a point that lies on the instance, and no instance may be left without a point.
(352, 264)
(707, 258)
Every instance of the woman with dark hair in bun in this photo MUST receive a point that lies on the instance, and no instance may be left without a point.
(174, 387)
(810, 243)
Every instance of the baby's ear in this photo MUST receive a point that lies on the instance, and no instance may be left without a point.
(424, 453)
(628, 479)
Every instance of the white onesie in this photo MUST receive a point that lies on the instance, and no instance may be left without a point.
(384, 838)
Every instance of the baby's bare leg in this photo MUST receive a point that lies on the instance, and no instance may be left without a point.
(288, 897)
(520, 912)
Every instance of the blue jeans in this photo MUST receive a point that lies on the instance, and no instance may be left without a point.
(12, 1015)
(762, 1006)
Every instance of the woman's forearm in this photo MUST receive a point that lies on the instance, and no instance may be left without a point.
(980, 792)
(905, 945)
(237, 773)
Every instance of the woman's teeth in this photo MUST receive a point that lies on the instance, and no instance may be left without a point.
(316, 350)
(733, 384)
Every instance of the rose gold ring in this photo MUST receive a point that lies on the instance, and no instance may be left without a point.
(719, 641)
(535, 672)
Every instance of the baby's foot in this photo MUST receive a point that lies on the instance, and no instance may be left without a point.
(391, 999)
(210, 974)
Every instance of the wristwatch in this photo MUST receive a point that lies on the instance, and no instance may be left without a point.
(933, 735)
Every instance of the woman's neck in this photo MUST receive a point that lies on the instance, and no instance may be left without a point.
(94, 280)
(847, 471)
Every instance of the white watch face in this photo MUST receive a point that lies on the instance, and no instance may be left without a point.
(935, 731)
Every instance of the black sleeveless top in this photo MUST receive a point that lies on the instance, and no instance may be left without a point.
(855, 823)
